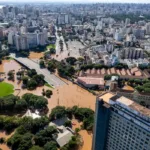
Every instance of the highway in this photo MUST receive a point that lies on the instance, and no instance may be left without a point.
(49, 78)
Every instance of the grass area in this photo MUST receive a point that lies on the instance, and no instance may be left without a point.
(51, 46)
(48, 85)
(6, 89)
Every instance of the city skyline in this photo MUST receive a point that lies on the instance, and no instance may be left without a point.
(78, 1)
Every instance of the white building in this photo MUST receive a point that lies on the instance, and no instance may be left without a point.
(11, 38)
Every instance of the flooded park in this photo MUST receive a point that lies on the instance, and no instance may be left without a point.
(66, 95)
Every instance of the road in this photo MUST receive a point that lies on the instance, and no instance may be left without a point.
(49, 78)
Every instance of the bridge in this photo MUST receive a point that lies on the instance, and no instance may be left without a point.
(49, 78)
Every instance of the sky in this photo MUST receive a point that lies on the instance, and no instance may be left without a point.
(82, 1)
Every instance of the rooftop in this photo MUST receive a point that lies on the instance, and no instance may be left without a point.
(88, 80)
(126, 102)
(64, 136)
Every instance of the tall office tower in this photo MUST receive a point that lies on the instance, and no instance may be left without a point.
(148, 28)
(120, 124)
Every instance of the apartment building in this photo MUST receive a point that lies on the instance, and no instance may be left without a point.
(120, 124)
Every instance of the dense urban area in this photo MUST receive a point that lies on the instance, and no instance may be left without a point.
(74, 76)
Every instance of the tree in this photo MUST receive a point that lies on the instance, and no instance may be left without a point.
(31, 73)
(8, 103)
(68, 123)
(71, 60)
(36, 148)
(14, 141)
(32, 84)
(21, 130)
(52, 51)
(34, 101)
(34, 125)
(58, 112)
(39, 79)
(48, 93)
(50, 146)
(25, 80)
(42, 64)
(51, 66)
(25, 142)
(77, 130)
(2, 140)
(10, 75)
(44, 136)
(21, 105)
(107, 77)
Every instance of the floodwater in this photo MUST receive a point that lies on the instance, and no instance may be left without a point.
(36, 55)
(86, 136)
(8, 65)
(67, 95)
(71, 95)
(6, 136)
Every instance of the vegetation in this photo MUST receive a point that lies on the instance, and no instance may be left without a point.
(52, 51)
(35, 102)
(44, 136)
(58, 112)
(85, 115)
(51, 66)
(99, 66)
(6, 89)
(140, 85)
(73, 144)
(36, 148)
(13, 103)
(108, 77)
(71, 60)
(48, 85)
(35, 134)
(42, 64)
(51, 46)
(50, 146)
(11, 75)
(33, 80)
(48, 93)
(66, 70)
(3, 53)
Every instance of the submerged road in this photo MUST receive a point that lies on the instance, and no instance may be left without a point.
(49, 78)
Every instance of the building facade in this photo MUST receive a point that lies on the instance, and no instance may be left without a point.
(120, 124)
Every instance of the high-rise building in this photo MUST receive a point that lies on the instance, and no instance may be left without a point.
(11, 38)
(148, 28)
(120, 124)
(132, 53)
(21, 42)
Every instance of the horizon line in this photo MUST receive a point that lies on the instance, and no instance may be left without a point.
(67, 2)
